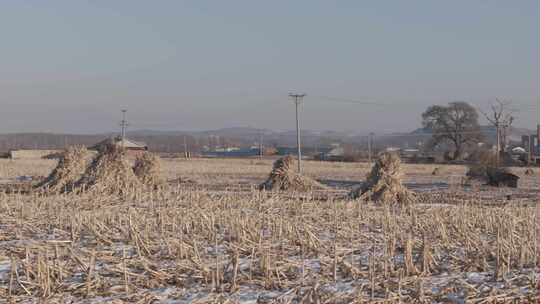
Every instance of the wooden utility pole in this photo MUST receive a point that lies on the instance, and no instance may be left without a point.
(123, 124)
(298, 98)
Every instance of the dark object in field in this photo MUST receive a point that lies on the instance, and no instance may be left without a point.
(436, 171)
(384, 184)
(284, 178)
(493, 176)
(499, 178)
(529, 172)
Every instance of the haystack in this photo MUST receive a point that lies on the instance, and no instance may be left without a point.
(284, 178)
(529, 172)
(383, 184)
(436, 171)
(72, 165)
(109, 173)
(148, 169)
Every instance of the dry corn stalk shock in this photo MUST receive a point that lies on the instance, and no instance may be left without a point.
(284, 178)
(110, 172)
(147, 168)
(384, 182)
(72, 165)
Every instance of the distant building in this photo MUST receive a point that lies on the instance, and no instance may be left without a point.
(132, 147)
(531, 144)
(232, 152)
(334, 153)
(33, 154)
(286, 151)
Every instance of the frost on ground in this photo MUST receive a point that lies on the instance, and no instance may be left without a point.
(189, 247)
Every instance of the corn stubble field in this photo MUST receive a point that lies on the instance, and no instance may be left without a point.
(213, 237)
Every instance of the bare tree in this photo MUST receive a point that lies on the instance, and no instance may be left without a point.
(501, 117)
(455, 124)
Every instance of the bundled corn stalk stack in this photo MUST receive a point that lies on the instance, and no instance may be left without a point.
(109, 173)
(147, 168)
(70, 168)
(383, 184)
(284, 178)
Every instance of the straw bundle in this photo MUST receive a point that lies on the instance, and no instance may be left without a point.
(109, 173)
(383, 183)
(70, 168)
(148, 169)
(284, 178)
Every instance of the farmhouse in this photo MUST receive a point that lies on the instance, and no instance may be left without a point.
(132, 147)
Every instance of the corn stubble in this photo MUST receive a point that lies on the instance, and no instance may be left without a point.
(296, 251)
(195, 246)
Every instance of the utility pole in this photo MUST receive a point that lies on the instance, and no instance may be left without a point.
(123, 124)
(298, 98)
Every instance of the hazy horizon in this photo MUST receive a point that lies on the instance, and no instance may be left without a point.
(200, 65)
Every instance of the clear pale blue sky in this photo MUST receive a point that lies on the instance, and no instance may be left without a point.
(72, 65)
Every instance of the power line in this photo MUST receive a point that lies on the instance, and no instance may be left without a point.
(352, 101)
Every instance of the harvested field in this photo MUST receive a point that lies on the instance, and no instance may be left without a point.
(220, 240)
